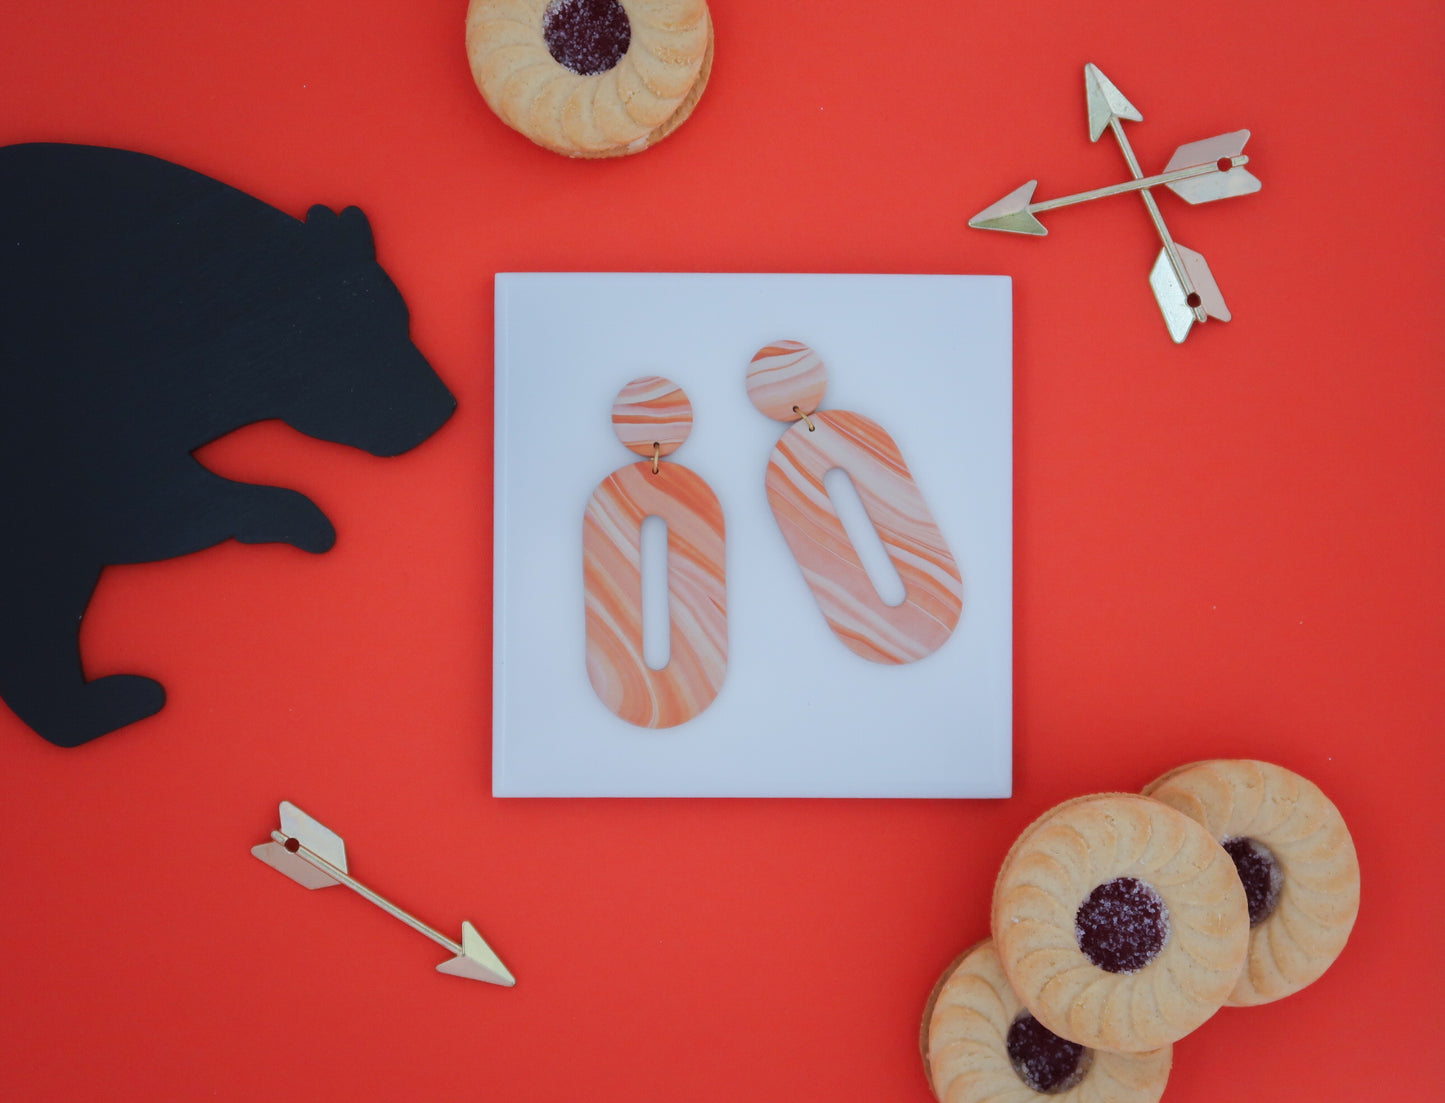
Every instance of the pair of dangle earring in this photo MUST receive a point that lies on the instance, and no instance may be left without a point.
(652, 416)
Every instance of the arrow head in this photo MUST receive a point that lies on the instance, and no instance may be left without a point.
(1216, 185)
(477, 961)
(1105, 102)
(1011, 213)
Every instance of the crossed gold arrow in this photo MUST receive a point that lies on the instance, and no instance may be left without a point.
(1199, 172)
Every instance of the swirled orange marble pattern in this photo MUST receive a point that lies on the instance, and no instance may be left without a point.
(651, 411)
(848, 599)
(786, 380)
(696, 587)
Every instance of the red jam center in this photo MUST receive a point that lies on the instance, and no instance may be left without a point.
(1259, 871)
(1122, 925)
(586, 36)
(1045, 1062)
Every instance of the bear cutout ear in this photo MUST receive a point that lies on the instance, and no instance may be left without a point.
(356, 231)
(347, 232)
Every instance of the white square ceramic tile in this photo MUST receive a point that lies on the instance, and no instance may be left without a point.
(927, 357)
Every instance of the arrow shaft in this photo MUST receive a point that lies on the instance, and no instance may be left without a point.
(1158, 219)
(1140, 184)
(314, 859)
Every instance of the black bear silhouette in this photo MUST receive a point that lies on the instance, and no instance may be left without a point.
(146, 310)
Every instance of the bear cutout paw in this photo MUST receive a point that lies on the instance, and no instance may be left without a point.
(101, 706)
(276, 515)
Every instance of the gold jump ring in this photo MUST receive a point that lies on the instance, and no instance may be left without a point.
(805, 418)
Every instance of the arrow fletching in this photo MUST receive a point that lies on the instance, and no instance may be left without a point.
(1204, 285)
(1011, 213)
(1215, 185)
(1105, 102)
(477, 961)
(1174, 302)
(316, 837)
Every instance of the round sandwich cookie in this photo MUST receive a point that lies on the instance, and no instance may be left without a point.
(1294, 857)
(591, 78)
(1120, 922)
(981, 1045)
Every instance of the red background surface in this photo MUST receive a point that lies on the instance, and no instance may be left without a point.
(1227, 548)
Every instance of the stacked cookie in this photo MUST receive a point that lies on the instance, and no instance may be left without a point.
(1122, 922)
(591, 78)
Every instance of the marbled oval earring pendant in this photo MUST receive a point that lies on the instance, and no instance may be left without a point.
(786, 382)
(652, 417)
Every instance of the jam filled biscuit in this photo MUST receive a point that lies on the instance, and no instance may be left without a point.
(1120, 922)
(980, 1045)
(1294, 857)
(591, 78)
